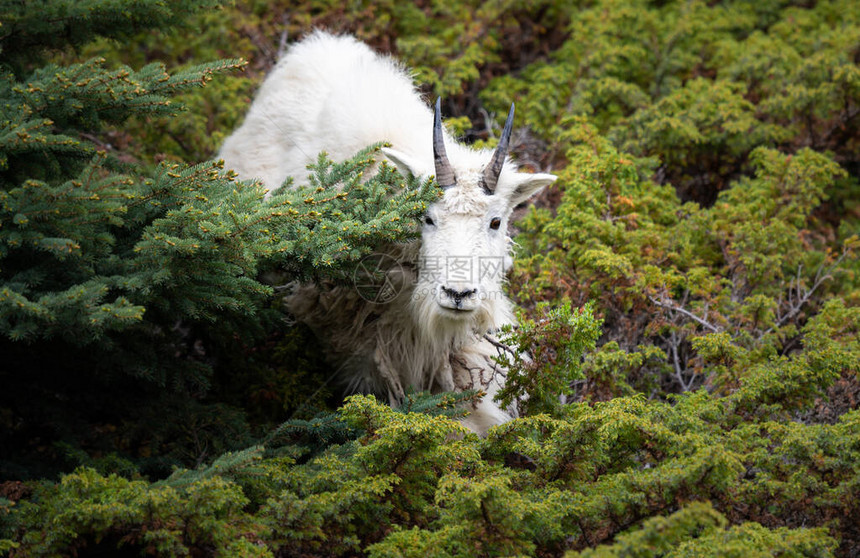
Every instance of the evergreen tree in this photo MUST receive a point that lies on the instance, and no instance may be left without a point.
(121, 283)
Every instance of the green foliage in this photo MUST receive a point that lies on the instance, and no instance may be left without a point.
(325, 229)
(697, 85)
(731, 284)
(448, 46)
(699, 530)
(536, 351)
(415, 484)
(31, 29)
(87, 509)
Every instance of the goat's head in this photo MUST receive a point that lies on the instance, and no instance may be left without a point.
(465, 248)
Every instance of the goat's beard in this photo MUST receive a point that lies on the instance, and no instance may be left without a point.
(439, 326)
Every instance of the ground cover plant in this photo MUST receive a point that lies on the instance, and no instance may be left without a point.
(688, 288)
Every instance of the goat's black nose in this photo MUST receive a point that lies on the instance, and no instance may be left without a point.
(458, 295)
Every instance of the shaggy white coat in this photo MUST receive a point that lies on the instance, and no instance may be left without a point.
(334, 94)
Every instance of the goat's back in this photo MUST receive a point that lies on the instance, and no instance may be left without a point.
(332, 94)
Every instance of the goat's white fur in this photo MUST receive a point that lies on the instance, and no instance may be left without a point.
(334, 94)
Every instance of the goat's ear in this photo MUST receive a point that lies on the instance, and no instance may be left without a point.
(405, 164)
(527, 185)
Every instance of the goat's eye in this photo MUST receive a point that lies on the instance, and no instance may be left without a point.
(428, 220)
(495, 223)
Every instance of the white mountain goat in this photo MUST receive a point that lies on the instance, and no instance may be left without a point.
(334, 94)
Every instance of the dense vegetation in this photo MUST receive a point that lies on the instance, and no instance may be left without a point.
(689, 287)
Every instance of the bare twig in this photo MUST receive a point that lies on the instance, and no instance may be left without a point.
(668, 305)
(501, 346)
(674, 342)
(798, 296)
(282, 43)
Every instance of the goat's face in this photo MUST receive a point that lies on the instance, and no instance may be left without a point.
(465, 248)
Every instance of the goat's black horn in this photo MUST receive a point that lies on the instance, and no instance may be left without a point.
(444, 172)
(491, 173)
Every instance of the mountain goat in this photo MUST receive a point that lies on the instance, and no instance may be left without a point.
(334, 94)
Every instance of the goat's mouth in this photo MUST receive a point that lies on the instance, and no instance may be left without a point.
(454, 310)
(458, 307)
(457, 299)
